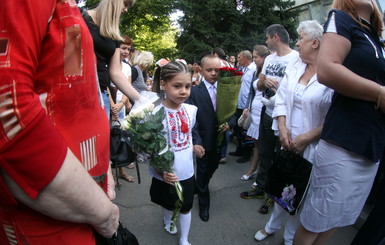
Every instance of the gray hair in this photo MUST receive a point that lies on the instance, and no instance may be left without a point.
(144, 59)
(247, 54)
(311, 28)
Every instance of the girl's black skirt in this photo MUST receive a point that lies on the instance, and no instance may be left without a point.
(165, 194)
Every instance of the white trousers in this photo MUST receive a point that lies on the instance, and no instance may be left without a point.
(280, 218)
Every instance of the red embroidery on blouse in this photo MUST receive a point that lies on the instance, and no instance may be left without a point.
(184, 124)
(178, 125)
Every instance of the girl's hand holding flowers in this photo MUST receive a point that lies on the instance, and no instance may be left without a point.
(169, 178)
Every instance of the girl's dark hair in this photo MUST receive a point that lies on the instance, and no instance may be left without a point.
(168, 72)
(220, 52)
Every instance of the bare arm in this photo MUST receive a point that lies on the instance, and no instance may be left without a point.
(119, 105)
(72, 196)
(261, 82)
(119, 79)
(112, 103)
(333, 74)
(284, 133)
(264, 83)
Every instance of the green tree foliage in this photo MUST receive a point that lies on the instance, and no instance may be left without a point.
(148, 24)
(233, 25)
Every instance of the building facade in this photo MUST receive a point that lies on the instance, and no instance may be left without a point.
(318, 9)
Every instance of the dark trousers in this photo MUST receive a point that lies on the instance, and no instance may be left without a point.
(206, 167)
(268, 143)
(373, 230)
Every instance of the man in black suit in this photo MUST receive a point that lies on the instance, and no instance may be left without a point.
(204, 133)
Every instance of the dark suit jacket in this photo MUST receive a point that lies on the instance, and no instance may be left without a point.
(205, 130)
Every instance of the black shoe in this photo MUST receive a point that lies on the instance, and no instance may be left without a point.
(254, 192)
(204, 214)
(243, 159)
(235, 153)
(267, 206)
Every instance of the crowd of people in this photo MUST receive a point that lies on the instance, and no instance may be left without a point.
(323, 101)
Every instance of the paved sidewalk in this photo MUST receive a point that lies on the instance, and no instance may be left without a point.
(233, 220)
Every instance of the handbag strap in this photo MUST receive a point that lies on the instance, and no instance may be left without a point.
(251, 95)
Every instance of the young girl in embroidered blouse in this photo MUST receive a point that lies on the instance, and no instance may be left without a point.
(174, 79)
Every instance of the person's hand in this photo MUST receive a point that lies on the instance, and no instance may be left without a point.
(299, 144)
(225, 128)
(109, 226)
(170, 178)
(142, 101)
(285, 137)
(271, 83)
(199, 151)
(245, 112)
(116, 108)
(128, 106)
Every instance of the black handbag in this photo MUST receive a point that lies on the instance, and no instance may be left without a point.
(122, 237)
(287, 180)
(121, 153)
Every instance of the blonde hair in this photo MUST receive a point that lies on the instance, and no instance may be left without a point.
(134, 55)
(144, 60)
(108, 14)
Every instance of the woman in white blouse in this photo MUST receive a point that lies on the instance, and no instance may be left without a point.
(299, 112)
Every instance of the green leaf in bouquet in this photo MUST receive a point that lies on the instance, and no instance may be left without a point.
(152, 146)
(162, 144)
(160, 114)
(146, 135)
(155, 126)
(169, 156)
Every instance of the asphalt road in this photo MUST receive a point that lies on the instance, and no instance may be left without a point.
(233, 220)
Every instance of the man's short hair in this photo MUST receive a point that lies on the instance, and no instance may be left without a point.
(280, 31)
(247, 54)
